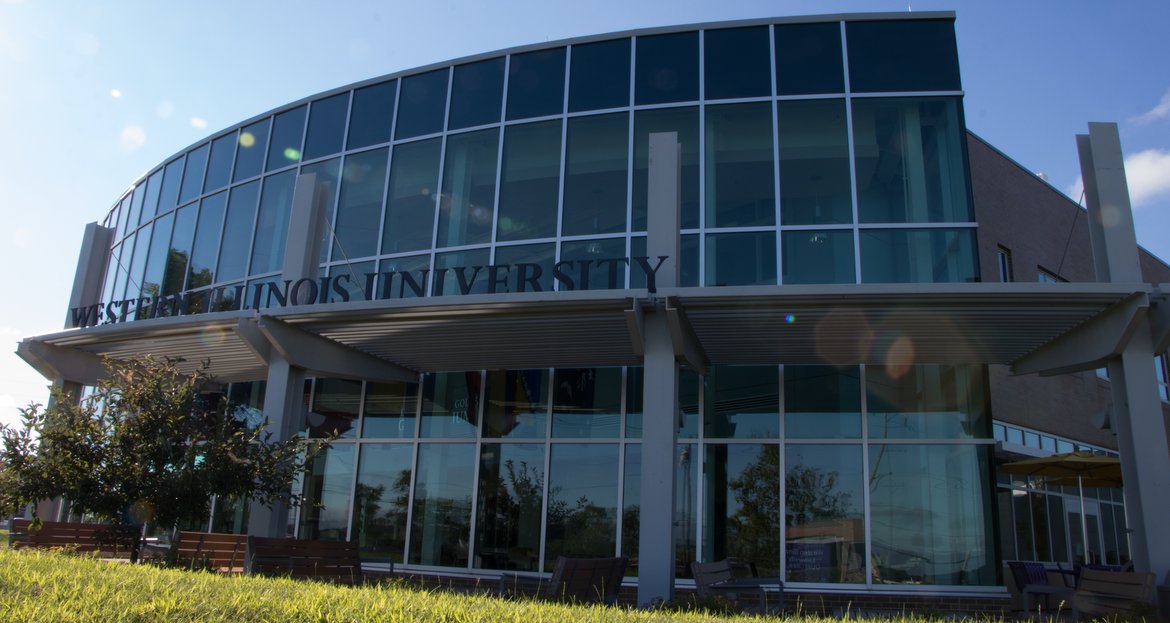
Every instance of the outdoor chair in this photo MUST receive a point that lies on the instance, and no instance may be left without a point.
(1031, 579)
(586, 580)
(716, 579)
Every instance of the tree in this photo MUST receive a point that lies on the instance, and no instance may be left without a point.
(148, 445)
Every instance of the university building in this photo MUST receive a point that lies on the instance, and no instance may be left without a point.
(737, 290)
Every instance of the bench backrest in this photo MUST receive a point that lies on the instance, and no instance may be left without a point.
(102, 539)
(339, 561)
(595, 580)
(708, 574)
(1137, 587)
(1028, 574)
(215, 550)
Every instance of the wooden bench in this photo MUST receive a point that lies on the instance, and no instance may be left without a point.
(1101, 593)
(335, 561)
(718, 579)
(213, 551)
(585, 580)
(108, 541)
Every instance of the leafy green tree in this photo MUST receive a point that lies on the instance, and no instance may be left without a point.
(150, 444)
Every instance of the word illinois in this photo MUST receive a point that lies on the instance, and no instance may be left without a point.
(344, 288)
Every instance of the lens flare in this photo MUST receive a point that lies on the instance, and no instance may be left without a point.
(292, 154)
(247, 139)
(790, 318)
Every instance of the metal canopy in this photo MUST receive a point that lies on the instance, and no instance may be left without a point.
(895, 324)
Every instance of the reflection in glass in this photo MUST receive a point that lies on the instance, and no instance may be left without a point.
(927, 401)
(582, 501)
(930, 515)
(740, 172)
(742, 402)
(229, 516)
(206, 247)
(219, 167)
(272, 223)
(516, 403)
(156, 261)
(450, 404)
(684, 121)
(403, 277)
(372, 114)
(741, 259)
(587, 402)
(688, 402)
(536, 83)
(193, 174)
(529, 181)
(247, 400)
(808, 59)
(596, 264)
(381, 501)
(138, 262)
(822, 256)
(423, 104)
(326, 126)
(822, 402)
(738, 63)
(124, 260)
(251, 145)
(476, 90)
(814, 163)
(469, 188)
(237, 232)
(288, 130)
(511, 493)
(349, 278)
(169, 195)
(389, 410)
(924, 52)
(336, 404)
(462, 272)
(918, 256)
(363, 180)
(327, 173)
(824, 514)
(667, 68)
(326, 485)
(410, 210)
(596, 163)
(440, 525)
(741, 497)
(600, 75)
(532, 264)
(910, 161)
(688, 269)
(685, 507)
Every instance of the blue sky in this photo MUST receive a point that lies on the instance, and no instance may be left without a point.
(93, 94)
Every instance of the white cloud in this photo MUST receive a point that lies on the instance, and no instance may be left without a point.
(115, 93)
(198, 122)
(133, 137)
(1147, 174)
(1161, 111)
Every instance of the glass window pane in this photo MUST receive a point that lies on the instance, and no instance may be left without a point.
(350, 279)
(389, 410)
(363, 180)
(138, 262)
(582, 504)
(822, 402)
(587, 402)
(741, 259)
(336, 404)
(160, 245)
(380, 501)
(910, 161)
(529, 182)
(738, 63)
(818, 257)
(180, 252)
(688, 268)
(741, 492)
(128, 219)
(404, 277)
(250, 149)
(824, 512)
(593, 265)
(600, 75)
(422, 105)
(469, 188)
(742, 402)
(740, 171)
(169, 196)
(237, 232)
(272, 223)
(206, 247)
(532, 265)
(462, 272)
(814, 163)
(918, 256)
(327, 481)
(476, 91)
(441, 518)
(288, 130)
(326, 126)
(193, 174)
(124, 259)
(536, 83)
(808, 59)
(328, 173)
(134, 203)
(450, 406)
(372, 114)
(410, 211)
(511, 496)
(219, 168)
(596, 165)
(667, 68)
(909, 55)
(688, 402)
(684, 121)
(927, 401)
(685, 512)
(516, 404)
(931, 515)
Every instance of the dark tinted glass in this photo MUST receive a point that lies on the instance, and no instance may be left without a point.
(389, 410)
(170, 187)
(600, 75)
(684, 121)
(507, 534)
(237, 232)
(206, 248)
(460, 272)
(326, 126)
(443, 487)
(219, 168)
(667, 68)
(738, 63)
(250, 149)
(593, 264)
(336, 404)
(328, 172)
(536, 84)
(287, 131)
(918, 55)
(422, 105)
(808, 59)
(918, 256)
(596, 165)
(469, 188)
(815, 186)
(747, 259)
(818, 256)
(450, 404)
(410, 210)
(583, 480)
(144, 202)
(742, 402)
(382, 492)
(138, 262)
(363, 180)
(529, 181)
(587, 403)
(740, 172)
(822, 402)
(180, 252)
(476, 90)
(193, 174)
(926, 401)
(372, 114)
(532, 265)
(272, 222)
(160, 244)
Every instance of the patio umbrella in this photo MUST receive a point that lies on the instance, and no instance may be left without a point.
(1080, 467)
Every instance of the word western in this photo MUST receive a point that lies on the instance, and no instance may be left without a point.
(346, 287)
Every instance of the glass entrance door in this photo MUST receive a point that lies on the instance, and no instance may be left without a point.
(1076, 536)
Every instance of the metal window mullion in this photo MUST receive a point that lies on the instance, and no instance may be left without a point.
(852, 166)
(561, 180)
(415, 445)
(478, 449)
(704, 205)
(499, 160)
(623, 447)
(776, 169)
(353, 481)
(547, 470)
(252, 238)
(439, 184)
(865, 493)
